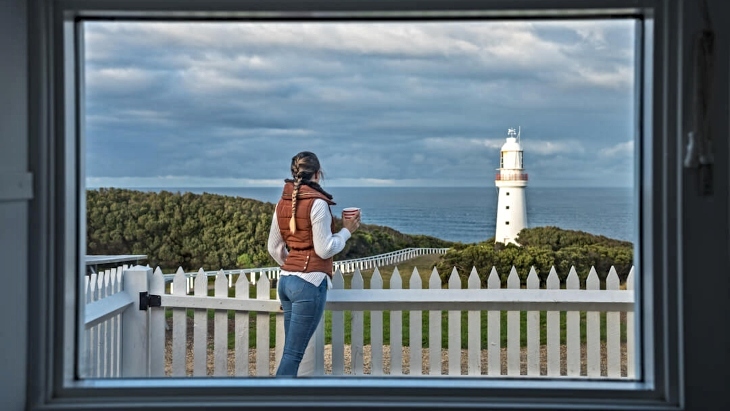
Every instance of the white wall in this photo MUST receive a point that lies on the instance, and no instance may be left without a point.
(13, 212)
(704, 247)
(516, 215)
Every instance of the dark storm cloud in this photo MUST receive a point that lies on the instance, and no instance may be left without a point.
(405, 103)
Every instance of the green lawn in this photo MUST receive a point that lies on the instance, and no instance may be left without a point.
(464, 332)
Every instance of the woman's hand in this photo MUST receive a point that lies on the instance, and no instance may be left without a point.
(351, 224)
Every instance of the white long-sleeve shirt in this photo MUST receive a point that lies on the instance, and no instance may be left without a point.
(326, 244)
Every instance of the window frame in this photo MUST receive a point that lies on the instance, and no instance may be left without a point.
(56, 39)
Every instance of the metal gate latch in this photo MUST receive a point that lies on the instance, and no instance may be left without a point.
(147, 300)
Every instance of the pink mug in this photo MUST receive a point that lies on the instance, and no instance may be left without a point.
(350, 212)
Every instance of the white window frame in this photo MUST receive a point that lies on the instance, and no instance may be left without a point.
(56, 66)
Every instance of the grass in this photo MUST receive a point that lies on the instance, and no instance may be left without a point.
(464, 332)
(424, 264)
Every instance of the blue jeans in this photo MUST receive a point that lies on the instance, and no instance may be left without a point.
(303, 305)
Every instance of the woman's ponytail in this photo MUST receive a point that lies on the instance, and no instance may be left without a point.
(293, 220)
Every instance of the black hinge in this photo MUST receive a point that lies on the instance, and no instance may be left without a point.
(147, 300)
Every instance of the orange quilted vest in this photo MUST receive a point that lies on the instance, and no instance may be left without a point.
(302, 257)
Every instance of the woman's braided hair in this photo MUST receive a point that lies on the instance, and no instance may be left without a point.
(304, 166)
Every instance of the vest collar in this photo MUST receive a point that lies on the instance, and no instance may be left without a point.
(306, 190)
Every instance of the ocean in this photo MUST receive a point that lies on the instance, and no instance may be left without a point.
(468, 214)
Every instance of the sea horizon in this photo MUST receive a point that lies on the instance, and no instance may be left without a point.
(464, 214)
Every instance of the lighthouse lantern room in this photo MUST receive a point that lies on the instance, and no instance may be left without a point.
(511, 181)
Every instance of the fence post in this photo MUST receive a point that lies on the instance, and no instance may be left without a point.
(313, 360)
(135, 325)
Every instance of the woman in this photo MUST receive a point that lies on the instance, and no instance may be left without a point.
(302, 241)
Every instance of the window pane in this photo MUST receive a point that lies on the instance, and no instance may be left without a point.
(189, 131)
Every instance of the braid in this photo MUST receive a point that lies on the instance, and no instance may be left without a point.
(293, 220)
(303, 167)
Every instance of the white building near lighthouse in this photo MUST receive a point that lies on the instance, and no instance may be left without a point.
(511, 181)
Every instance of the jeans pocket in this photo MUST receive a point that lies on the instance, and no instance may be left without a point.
(295, 287)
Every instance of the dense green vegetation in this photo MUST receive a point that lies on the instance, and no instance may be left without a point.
(542, 248)
(207, 230)
(214, 231)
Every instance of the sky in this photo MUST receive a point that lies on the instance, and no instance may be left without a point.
(227, 104)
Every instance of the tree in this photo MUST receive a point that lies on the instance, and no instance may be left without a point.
(541, 248)
(207, 230)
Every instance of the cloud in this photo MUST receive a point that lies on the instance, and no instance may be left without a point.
(547, 148)
(380, 103)
(452, 144)
(176, 181)
(625, 149)
(120, 80)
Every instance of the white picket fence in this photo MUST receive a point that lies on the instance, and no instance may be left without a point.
(106, 304)
(146, 343)
(394, 257)
(473, 299)
(345, 266)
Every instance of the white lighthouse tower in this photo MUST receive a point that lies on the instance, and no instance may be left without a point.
(511, 181)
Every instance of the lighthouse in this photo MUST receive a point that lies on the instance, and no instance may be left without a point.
(511, 181)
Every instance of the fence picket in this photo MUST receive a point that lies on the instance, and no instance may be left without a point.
(376, 329)
(613, 332)
(494, 336)
(241, 345)
(474, 330)
(593, 331)
(100, 329)
(179, 327)
(107, 330)
(533, 329)
(200, 328)
(93, 334)
(396, 329)
(118, 327)
(157, 327)
(113, 335)
(553, 330)
(338, 329)
(415, 362)
(280, 336)
(434, 329)
(88, 339)
(454, 340)
(220, 329)
(630, 343)
(572, 333)
(357, 334)
(317, 343)
(263, 328)
(513, 329)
